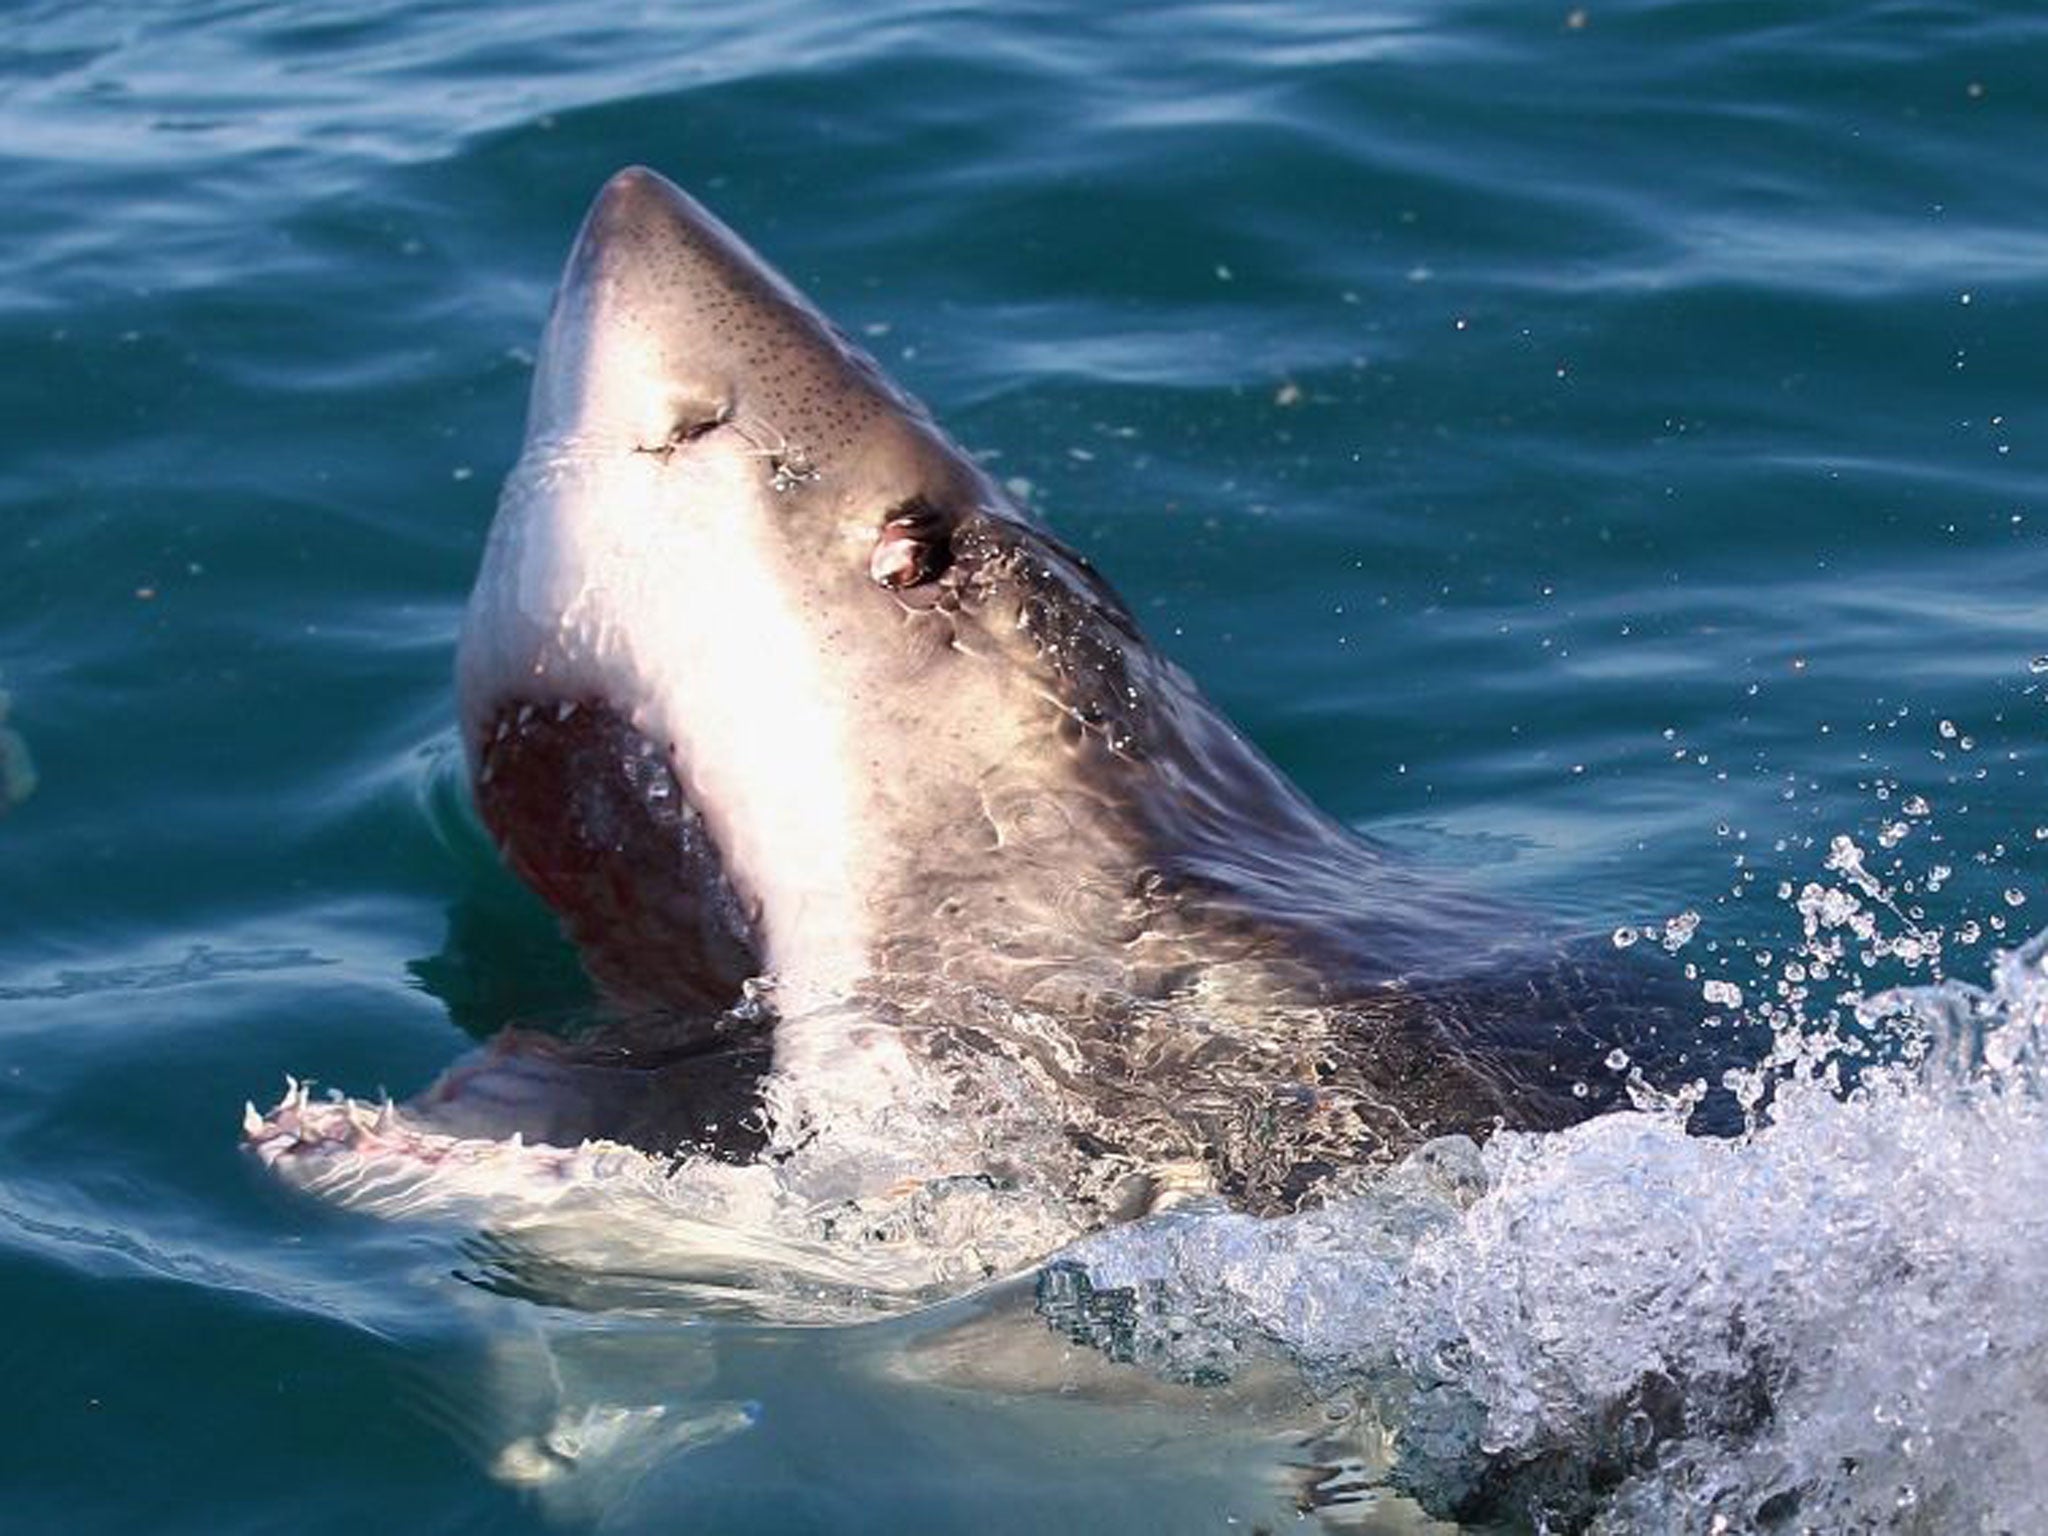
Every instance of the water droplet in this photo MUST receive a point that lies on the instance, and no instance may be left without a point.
(1679, 930)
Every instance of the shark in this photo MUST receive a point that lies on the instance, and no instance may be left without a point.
(941, 918)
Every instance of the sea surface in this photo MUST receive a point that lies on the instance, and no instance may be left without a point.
(1598, 451)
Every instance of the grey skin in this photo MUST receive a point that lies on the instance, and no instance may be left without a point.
(763, 675)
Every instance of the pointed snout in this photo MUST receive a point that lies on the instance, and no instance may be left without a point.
(637, 192)
(663, 314)
(638, 219)
(649, 246)
(667, 327)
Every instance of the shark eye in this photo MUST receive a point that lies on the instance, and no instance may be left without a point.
(913, 547)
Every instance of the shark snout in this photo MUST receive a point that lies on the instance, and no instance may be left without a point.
(637, 219)
(649, 247)
(667, 326)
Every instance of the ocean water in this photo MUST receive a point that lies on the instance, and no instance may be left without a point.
(1595, 450)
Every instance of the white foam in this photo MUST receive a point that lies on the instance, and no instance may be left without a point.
(1832, 1319)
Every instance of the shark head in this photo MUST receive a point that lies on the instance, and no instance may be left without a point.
(761, 670)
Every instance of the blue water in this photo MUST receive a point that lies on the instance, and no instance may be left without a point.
(1596, 451)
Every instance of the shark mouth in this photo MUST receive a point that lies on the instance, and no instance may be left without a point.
(592, 815)
(656, 1144)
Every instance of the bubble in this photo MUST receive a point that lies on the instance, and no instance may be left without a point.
(1625, 936)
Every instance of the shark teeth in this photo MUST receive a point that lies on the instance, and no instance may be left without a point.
(376, 1156)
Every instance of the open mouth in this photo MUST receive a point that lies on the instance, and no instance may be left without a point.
(592, 814)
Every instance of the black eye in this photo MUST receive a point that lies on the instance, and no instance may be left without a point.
(913, 547)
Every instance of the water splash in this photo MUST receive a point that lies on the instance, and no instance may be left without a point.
(1828, 1322)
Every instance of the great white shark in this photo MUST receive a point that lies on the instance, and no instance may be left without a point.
(907, 862)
